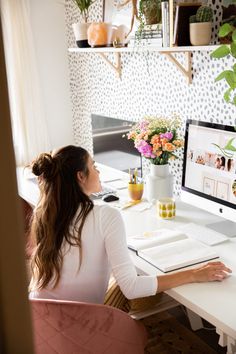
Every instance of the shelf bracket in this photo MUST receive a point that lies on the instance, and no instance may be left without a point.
(116, 66)
(185, 70)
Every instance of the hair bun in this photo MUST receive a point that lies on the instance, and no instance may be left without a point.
(46, 166)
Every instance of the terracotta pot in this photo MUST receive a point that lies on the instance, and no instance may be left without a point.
(200, 33)
(80, 32)
(101, 34)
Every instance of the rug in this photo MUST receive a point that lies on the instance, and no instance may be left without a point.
(167, 336)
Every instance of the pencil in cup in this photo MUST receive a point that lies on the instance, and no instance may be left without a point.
(135, 190)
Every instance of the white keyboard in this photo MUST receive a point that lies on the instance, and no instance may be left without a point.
(203, 234)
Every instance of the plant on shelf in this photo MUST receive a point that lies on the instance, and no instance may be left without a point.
(149, 15)
(83, 6)
(80, 29)
(157, 138)
(228, 30)
(200, 26)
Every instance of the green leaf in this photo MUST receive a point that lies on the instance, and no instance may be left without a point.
(234, 67)
(222, 75)
(234, 36)
(229, 145)
(234, 100)
(225, 29)
(221, 52)
(231, 79)
(227, 95)
(233, 49)
(223, 151)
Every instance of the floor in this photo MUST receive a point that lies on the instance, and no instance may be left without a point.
(207, 334)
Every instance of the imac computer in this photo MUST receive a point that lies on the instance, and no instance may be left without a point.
(209, 171)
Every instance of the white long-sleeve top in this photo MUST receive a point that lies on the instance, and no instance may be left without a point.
(104, 249)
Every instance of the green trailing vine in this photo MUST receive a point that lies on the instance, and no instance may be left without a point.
(228, 32)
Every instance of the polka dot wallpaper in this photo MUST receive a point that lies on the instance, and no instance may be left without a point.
(150, 85)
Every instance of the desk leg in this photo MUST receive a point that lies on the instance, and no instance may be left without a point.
(231, 345)
(195, 320)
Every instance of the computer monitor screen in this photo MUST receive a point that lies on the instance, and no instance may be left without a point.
(209, 168)
(109, 145)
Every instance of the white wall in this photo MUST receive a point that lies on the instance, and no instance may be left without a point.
(49, 32)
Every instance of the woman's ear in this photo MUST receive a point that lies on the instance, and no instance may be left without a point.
(81, 177)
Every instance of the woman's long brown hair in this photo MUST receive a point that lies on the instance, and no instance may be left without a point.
(60, 198)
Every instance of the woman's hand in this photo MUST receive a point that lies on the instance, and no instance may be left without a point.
(211, 271)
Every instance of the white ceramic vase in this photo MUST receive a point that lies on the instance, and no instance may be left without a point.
(159, 183)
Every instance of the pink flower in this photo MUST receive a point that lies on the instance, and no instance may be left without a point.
(167, 135)
(143, 125)
(144, 148)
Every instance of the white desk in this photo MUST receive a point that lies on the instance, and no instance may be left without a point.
(215, 301)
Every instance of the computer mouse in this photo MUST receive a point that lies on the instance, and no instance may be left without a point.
(110, 198)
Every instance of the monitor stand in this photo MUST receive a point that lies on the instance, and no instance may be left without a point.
(226, 227)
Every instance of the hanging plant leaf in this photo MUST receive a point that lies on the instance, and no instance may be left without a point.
(221, 52)
(233, 49)
(227, 95)
(231, 79)
(225, 29)
(223, 75)
(234, 36)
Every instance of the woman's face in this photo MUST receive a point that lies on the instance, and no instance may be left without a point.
(91, 183)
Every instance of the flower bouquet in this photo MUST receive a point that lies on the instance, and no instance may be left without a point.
(156, 138)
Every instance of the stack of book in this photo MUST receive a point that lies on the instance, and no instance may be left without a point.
(149, 35)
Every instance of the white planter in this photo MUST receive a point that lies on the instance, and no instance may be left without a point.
(159, 183)
(200, 33)
(80, 32)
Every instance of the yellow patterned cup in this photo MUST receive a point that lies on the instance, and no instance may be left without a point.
(135, 191)
(166, 208)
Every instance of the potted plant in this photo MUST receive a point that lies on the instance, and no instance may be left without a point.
(228, 31)
(200, 26)
(80, 29)
(157, 139)
(149, 14)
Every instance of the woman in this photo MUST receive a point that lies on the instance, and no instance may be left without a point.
(78, 244)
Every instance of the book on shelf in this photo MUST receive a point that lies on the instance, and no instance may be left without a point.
(170, 250)
(165, 23)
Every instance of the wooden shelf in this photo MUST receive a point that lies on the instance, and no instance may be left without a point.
(168, 51)
(143, 49)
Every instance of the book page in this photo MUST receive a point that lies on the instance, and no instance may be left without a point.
(176, 255)
(154, 238)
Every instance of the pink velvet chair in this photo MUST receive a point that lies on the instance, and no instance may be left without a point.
(66, 327)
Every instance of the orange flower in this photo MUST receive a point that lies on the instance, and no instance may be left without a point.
(169, 147)
(155, 139)
(164, 141)
(158, 153)
(132, 135)
(178, 143)
(156, 146)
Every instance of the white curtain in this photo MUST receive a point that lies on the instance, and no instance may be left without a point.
(30, 131)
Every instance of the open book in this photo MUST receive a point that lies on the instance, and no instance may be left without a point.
(170, 250)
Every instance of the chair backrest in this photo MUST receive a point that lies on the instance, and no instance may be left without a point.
(66, 327)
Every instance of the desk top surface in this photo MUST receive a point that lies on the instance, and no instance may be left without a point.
(215, 301)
